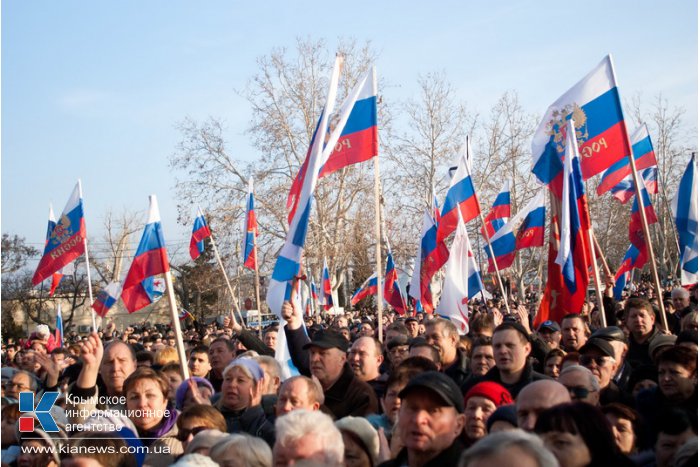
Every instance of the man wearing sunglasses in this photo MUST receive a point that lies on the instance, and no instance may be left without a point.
(599, 356)
(583, 386)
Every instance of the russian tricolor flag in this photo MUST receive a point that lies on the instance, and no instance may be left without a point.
(594, 105)
(685, 212)
(200, 231)
(499, 214)
(327, 287)
(524, 230)
(569, 253)
(574, 220)
(68, 268)
(621, 171)
(67, 239)
(151, 259)
(250, 229)
(106, 298)
(288, 263)
(622, 277)
(367, 289)
(392, 288)
(636, 232)
(59, 326)
(356, 139)
(432, 255)
(624, 190)
(460, 198)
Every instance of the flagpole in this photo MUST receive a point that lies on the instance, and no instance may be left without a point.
(642, 214)
(478, 251)
(599, 251)
(594, 263)
(176, 324)
(228, 283)
(378, 248)
(495, 266)
(87, 263)
(257, 285)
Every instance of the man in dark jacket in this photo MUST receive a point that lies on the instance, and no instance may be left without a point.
(639, 320)
(511, 348)
(325, 357)
(431, 420)
(442, 334)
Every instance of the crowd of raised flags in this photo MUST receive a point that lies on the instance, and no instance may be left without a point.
(582, 134)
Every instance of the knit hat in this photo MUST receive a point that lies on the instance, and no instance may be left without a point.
(361, 428)
(491, 391)
(505, 413)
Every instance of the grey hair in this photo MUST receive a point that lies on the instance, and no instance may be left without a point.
(249, 450)
(591, 377)
(497, 442)
(290, 428)
(272, 365)
(680, 292)
(33, 381)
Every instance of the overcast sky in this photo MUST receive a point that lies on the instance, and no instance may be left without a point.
(94, 89)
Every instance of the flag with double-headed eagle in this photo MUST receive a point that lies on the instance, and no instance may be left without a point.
(67, 239)
(594, 105)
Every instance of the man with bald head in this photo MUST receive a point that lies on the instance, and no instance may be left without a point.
(582, 384)
(537, 397)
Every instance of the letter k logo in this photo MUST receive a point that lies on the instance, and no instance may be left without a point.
(42, 412)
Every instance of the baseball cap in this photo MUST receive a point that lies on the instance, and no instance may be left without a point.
(610, 333)
(440, 384)
(327, 339)
(600, 344)
(549, 325)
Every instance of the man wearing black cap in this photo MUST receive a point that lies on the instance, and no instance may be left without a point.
(511, 348)
(599, 356)
(617, 339)
(430, 422)
(325, 357)
(550, 332)
(412, 326)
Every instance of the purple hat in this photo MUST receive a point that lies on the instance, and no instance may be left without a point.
(184, 387)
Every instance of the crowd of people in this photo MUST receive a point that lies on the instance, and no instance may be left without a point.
(568, 393)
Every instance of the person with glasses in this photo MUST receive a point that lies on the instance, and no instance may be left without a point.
(198, 418)
(21, 381)
(583, 386)
(599, 357)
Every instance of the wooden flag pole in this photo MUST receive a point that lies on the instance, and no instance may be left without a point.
(495, 266)
(378, 248)
(174, 316)
(594, 264)
(87, 264)
(257, 285)
(488, 241)
(643, 216)
(600, 254)
(228, 284)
